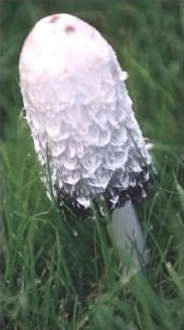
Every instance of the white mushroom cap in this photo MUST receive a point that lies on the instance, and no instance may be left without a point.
(78, 107)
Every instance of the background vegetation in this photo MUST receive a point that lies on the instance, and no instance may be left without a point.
(60, 274)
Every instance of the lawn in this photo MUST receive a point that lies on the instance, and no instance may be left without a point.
(59, 273)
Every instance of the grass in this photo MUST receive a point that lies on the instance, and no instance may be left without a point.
(58, 273)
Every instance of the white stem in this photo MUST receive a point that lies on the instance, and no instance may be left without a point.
(127, 234)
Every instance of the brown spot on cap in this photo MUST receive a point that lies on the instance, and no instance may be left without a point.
(54, 18)
(69, 29)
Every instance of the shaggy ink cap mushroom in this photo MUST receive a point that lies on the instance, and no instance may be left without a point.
(78, 109)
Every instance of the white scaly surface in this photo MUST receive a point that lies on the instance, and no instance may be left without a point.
(77, 104)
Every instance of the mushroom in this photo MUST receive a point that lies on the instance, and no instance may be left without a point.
(83, 126)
